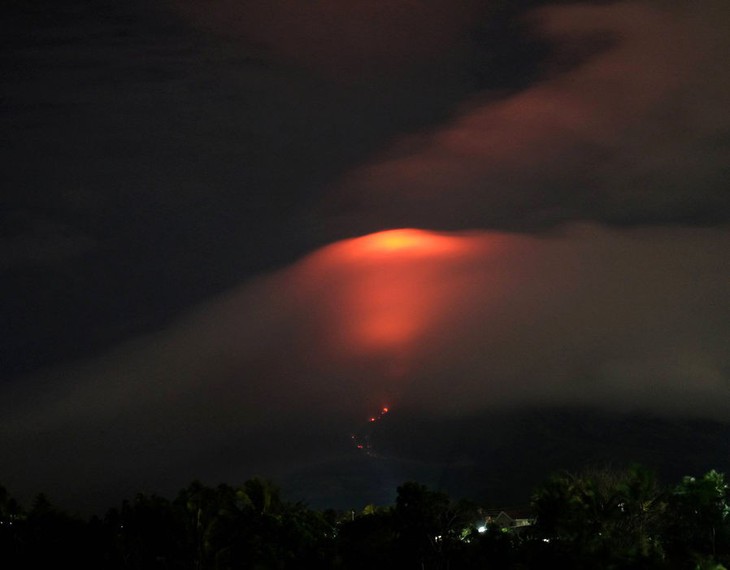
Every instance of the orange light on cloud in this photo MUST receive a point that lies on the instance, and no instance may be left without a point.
(398, 240)
(397, 282)
(406, 242)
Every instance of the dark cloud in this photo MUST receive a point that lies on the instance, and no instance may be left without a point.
(33, 239)
(354, 38)
(636, 133)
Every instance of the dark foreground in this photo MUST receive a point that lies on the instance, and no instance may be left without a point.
(599, 518)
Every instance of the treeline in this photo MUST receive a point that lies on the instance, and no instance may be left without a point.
(599, 518)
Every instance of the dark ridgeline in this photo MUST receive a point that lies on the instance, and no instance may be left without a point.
(498, 457)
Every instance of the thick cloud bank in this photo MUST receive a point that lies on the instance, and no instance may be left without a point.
(277, 371)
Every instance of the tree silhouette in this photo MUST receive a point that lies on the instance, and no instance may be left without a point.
(698, 525)
(601, 518)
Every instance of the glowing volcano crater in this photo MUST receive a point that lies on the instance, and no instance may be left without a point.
(403, 242)
(397, 283)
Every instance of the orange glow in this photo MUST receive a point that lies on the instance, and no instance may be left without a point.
(397, 240)
(406, 241)
(385, 410)
(383, 295)
(393, 284)
(388, 329)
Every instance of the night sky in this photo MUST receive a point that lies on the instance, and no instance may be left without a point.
(231, 231)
